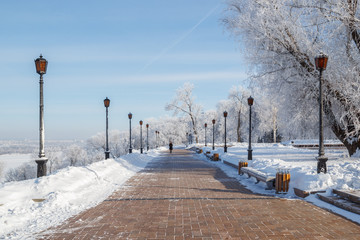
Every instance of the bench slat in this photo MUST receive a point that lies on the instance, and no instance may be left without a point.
(259, 176)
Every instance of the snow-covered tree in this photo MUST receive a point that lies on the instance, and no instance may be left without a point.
(55, 159)
(76, 156)
(118, 143)
(184, 104)
(23, 172)
(280, 39)
(238, 96)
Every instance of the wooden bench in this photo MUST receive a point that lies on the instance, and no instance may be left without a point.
(199, 150)
(207, 154)
(259, 176)
(212, 157)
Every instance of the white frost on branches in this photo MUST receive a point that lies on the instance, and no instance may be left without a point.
(280, 39)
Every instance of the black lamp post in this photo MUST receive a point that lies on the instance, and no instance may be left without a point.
(107, 104)
(130, 117)
(141, 140)
(205, 134)
(225, 116)
(147, 137)
(250, 103)
(156, 138)
(213, 122)
(41, 67)
(321, 62)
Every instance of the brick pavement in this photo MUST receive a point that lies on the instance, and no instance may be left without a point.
(180, 197)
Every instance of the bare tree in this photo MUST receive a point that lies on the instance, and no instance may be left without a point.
(184, 103)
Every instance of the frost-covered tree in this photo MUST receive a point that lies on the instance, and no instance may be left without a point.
(170, 128)
(76, 156)
(23, 172)
(55, 159)
(118, 143)
(184, 104)
(280, 39)
(238, 96)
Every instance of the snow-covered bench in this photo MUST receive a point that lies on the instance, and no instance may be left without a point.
(259, 176)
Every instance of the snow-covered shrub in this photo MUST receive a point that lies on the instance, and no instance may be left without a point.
(24, 172)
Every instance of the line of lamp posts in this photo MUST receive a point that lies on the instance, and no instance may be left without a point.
(41, 68)
(320, 64)
(225, 114)
(107, 151)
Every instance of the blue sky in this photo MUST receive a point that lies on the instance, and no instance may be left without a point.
(136, 53)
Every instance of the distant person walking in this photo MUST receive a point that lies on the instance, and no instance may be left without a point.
(170, 147)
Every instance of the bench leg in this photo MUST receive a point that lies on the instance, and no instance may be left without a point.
(269, 185)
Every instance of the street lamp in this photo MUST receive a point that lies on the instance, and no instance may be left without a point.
(147, 137)
(321, 62)
(141, 142)
(107, 104)
(213, 122)
(250, 103)
(225, 116)
(205, 134)
(156, 138)
(41, 67)
(130, 117)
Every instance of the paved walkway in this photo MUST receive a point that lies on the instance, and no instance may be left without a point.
(180, 197)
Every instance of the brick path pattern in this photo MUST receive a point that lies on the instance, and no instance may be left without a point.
(180, 197)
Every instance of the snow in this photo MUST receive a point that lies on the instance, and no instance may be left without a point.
(66, 193)
(310, 142)
(343, 172)
(71, 190)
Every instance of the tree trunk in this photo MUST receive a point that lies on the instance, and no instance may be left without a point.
(238, 128)
(274, 123)
(194, 128)
(351, 143)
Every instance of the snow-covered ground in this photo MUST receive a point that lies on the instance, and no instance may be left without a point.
(343, 172)
(64, 191)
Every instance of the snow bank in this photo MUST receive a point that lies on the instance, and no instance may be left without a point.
(66, 193)
(343, 172)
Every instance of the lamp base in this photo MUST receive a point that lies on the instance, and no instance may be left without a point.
(41, 166)
(250, 154)
(225, 149)
(321, 164)
(130, 150)
(107, 154)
